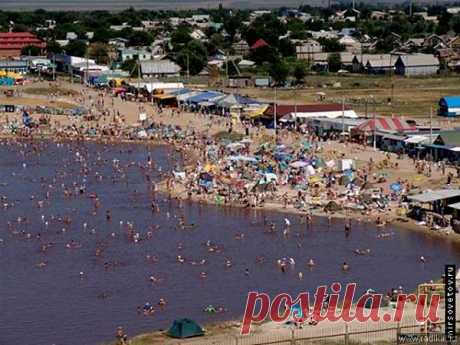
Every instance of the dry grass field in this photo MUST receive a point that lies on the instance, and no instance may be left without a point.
(411, 97)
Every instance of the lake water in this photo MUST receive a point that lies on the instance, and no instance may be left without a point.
(54, 305)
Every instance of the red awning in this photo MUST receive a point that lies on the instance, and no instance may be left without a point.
(386, 124)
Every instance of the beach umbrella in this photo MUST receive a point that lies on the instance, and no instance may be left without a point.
(396, 187)
(299, 164)
(242, 159)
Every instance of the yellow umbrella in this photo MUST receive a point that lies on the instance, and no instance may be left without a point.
(314, 179)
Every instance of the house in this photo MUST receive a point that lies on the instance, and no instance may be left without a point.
(119, 27)
(351, 44)
(200, 20)
(426, 17)
(257, 14)
(136, 54)
(413, 45)
(433, 41)
(449, 106)
(62, 43)
(150, 24)
(308, 111)
(240, 81)
(17, 66)
(160, 68)
(455, 43)
(330, 34)
(199, 35)
(241, 48)
(382, 65)
(416, 65)
(373, 63)
(118, 42)
(11, 43)
(70, 36)
(304, 49)
(65, 62)
(350, 15)
(378, 15)
(453, 10)
(246, 64)
(260, 43)
(320, 62)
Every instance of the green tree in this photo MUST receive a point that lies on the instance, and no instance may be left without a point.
(300, 71)
(279, 72)
(76, 48)
(31, 50)
(53, 47)
(99, 52)
(264, 54)
(331, 45)
(334, 61)
(181, 37)
(141, 38)
(216, 41)
(193, 56)
(131, 67)
(102, 34)
(286, 48)
(456, 24)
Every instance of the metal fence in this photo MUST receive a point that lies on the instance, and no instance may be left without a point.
(348, 334)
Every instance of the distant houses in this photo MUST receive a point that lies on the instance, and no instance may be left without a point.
(401, 64)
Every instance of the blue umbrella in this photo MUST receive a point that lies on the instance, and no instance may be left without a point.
(395, 187)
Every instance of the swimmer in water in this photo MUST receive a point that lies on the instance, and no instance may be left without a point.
(345, 267)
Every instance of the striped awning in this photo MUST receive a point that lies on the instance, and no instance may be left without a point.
(386, 124)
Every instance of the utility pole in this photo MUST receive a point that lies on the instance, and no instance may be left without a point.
(188, 68)
(138, 72)
(274, 117)
(431, 132)
(138, 78)
(54, 67)
(343, 115)
(226, 67)
(87, 68)
(295, 109)
(367, 100)
(410, 7)
(375, 130)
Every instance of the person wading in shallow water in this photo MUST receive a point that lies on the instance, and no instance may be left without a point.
(122, 338)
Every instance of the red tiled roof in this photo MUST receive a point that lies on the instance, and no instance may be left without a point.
(19, 40)
(259, 44)
(21, 45)
(386, 124)
(17, 35)
(283, 109)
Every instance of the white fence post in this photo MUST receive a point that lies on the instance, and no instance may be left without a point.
(346, 334)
